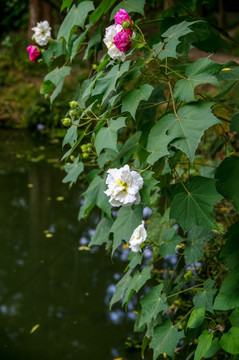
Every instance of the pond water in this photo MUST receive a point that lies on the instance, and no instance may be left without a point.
(54, 297)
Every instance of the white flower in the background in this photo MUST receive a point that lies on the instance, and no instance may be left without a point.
(123, 186)
(42, 33)
(113, 51)
(138, 237)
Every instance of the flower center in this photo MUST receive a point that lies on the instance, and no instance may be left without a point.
(120, 183)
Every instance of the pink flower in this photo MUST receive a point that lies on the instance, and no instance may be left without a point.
(34, 54)
(121, 16)
(122, 41)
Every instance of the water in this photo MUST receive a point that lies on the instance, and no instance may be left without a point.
(45, 280)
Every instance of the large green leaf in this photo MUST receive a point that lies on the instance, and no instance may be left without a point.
(204, 344)
(128, 219)
(197, 239)
(120, 288)
(168, 47)
(71, 135)
(196, 318)
(165, 339)
(75, 17)
(199, 72)
(137, 282)
(149, 184)
(205, 298)
(102, 9)
(107, 83)
(101, 234)
(107, 136)
(131, 100)
(230, 341)
(56, 77)
(129, 6)
(193, 205)
(169, 242)
(184, 132)
(135, 259)
(73, 171)
(227, 175)
(95, 195)
(234, 317)
(152, 303)
(215, 346)
(78, 41)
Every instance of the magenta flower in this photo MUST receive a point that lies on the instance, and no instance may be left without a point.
(121, 16)
(34, 53)
(122, 41)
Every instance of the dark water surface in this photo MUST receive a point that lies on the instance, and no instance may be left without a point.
(45, 280)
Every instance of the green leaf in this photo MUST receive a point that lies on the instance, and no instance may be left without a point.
(197, 239)
(130, 146)
(106, 84)
(95, 39)
(66, 4)
(200, 72)
(120, 289)
(102, 9)
(205, 298)
(135, 259)
(131, 100)
(129, 6)
(227, 175)
(231, 74)
(78, 41)
(204, 344)
(95, 195)
(171, 41)
(102, 232)
(183, 133)
(234, 317)
(169, 242)
(152, 303)
(107, 136)
(56, 77)
(230, 341)
(137, 282)
(128, 219)
(158, 225)
(165, 339)
(73, 171)
(234, 126)
(75, 17)
(71, 135)
(228, 297)
(196, 318)
(149, 184)
(194, 206)
(215, 346)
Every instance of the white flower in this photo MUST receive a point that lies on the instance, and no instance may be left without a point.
(123, 186)
(113, 51)
(138, 237)
(42, 33)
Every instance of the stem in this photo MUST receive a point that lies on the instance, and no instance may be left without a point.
(191, 288)
(173, 102)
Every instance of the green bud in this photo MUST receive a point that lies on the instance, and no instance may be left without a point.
(73, 104)
(85, 155)
(83, 147)
(72, 157)
(33, 38)
(89, 148)
(94, 66)
(66, 122)
(73, 113)
(125, 24)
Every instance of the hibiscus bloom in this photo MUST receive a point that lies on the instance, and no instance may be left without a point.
(138, 237)
(42, 33)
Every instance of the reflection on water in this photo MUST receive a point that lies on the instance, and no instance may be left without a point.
(44, 278)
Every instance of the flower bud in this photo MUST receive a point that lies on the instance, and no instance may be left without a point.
(72, 158)
(66, 122)
(126, 24)
(73, 113)
(94, 66)
(73, 104)
(85, 155)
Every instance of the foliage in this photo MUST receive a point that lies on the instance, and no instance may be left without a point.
(154, 113)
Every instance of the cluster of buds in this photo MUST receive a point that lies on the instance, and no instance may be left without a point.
(86, 149)
(74, 107)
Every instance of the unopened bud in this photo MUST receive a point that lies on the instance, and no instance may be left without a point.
(126, 24)
(72, 158)
(33, 38)
(73, 104)
(66, 122)
(94, 66)
(85, 155)
(73, 113)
